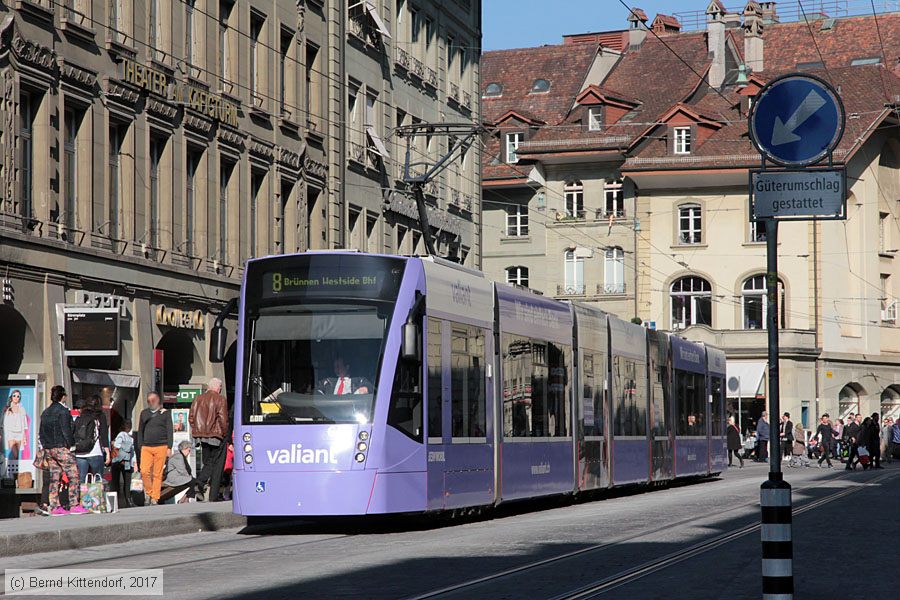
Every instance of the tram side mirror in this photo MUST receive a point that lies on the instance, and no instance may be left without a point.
(218, 339)
(410, 348)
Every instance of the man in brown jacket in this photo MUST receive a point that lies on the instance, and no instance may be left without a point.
(209, 426)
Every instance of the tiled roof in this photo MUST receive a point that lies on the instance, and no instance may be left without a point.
(864, 89)
(564, 66)
(656, 81)
(788, 44)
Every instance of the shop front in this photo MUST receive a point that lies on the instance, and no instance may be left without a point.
(745, 392)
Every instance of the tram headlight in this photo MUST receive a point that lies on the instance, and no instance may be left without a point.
(247, 436)
(248, 448)
(360, 457)
(363, 435)
(248, 458)
(362, 446)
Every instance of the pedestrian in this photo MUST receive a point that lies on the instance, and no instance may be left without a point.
(786, 435)
(894, 448)
(863, 442)
(57, 438)
(874, 445)
(852, 431)
(733, 435)
(762, 438)
(838, 438)
(886, 426)
(154, 438)
(178, 475)
(798, 448)
(91, 439)
(123, 455)
(209, 425)
(825, 437)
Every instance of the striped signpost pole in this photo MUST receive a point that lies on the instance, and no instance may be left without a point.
(775, 492)
(796, 122)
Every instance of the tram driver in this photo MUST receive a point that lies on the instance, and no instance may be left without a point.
(343, 383)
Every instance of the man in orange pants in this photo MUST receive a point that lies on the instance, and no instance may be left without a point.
(154, 438)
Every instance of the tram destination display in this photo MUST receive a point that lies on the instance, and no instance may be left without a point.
(91, 331)
(330, 276)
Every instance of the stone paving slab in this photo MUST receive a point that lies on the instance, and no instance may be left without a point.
(47, 534)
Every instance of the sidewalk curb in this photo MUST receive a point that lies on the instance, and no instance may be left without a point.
(99, 534)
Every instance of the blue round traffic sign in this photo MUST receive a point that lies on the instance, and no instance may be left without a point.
(796, 120)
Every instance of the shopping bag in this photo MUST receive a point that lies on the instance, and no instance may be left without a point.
(112, 502)
(137, 484)
(93, 497)
(24, 481)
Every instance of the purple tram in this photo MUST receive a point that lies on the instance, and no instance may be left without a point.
(372, 384)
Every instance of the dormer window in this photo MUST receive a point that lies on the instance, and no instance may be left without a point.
(512, 144)
(540, 86)
(493, 90)
(682, 140)
(595, 118)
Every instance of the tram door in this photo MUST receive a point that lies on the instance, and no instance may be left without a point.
(460, 455)
(661, 433)
(437, 390)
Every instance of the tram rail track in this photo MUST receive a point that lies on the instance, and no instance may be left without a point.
(603, 585)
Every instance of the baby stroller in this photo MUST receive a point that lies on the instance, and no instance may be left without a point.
(798, 454)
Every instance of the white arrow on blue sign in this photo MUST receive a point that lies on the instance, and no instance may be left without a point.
(796, 120)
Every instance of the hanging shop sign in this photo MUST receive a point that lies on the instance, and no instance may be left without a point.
(182, 319)
(155, 81)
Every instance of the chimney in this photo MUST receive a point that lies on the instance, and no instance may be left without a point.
(769, 12)
(637, 27)
(753, 32)
(665, 24)
(715, 39)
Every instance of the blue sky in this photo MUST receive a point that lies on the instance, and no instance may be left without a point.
(525, 23)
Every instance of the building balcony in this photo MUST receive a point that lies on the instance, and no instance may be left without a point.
(453, 93)
(431, 77)
(610, 289)
(418, 69)
(403, 59)
(577, 289)
(467, 100)
(605, 215)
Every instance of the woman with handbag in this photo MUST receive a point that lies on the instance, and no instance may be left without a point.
(122, 455)
(733, 435)
(91, 439)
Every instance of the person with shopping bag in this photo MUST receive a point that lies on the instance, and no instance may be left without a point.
(91, 439)
(122, 455)
(57, 438)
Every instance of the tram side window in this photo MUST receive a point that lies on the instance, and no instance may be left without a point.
(690, 389)
(535, 388)
(435, 380)
(405, 413)
(467, 382)
(557, 422)
(629, 397)
(660, 404)
(592, 393)
(718, 407)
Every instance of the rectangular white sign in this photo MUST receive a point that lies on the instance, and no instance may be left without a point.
(793, 194)
(83, 582)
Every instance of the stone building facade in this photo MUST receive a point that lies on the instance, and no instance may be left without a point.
(669, 118)
(148, 148)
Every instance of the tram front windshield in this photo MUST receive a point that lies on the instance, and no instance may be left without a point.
(316, 363)
(314, 333)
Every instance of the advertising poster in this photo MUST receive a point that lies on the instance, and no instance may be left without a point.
(182, 432)
(18, 432)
